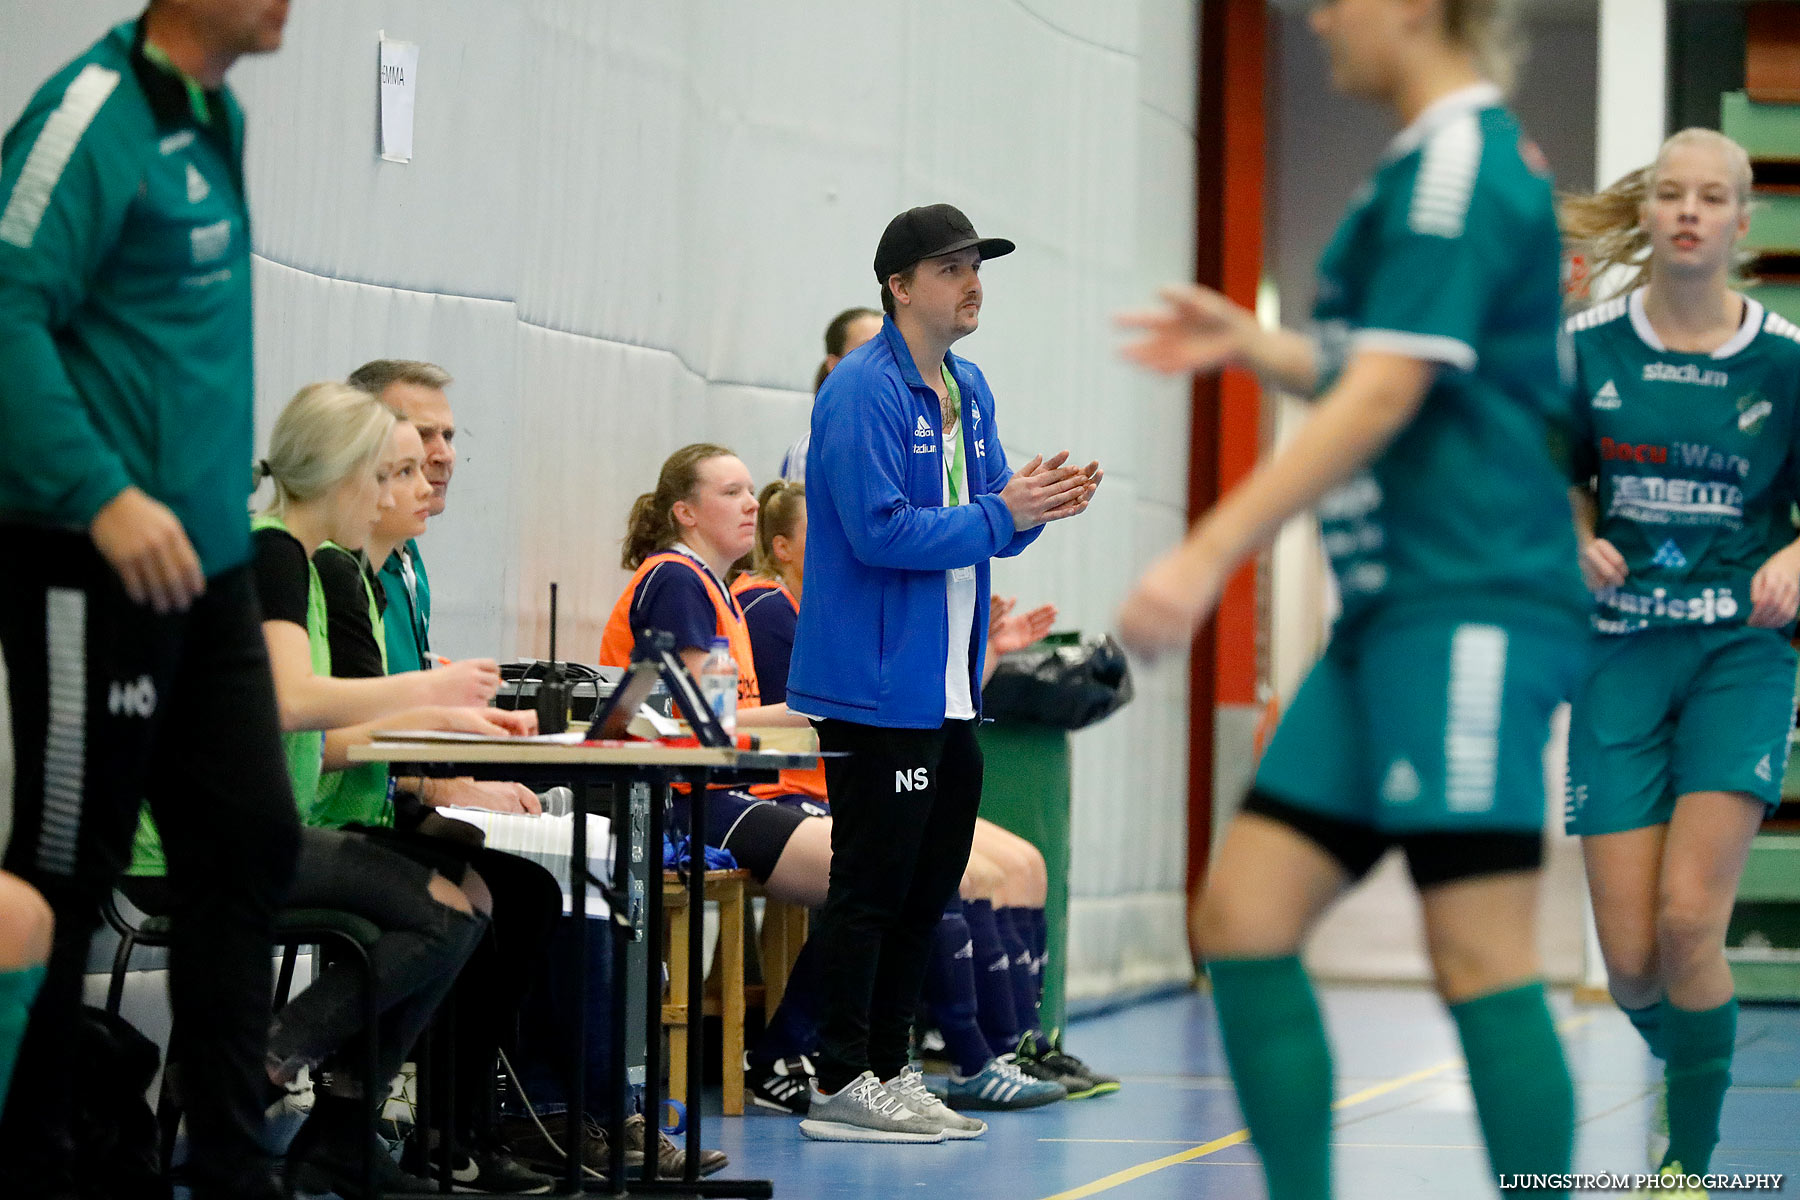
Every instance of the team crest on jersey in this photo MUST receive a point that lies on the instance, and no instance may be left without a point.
(1669, 555)
(1534, 158)
(1753, 410)
(1607, 397)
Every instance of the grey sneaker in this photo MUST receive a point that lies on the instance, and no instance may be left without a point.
(864, 1111)
(908, 1087)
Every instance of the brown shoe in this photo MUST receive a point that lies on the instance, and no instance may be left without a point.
(670, 1158)
(529, 1143)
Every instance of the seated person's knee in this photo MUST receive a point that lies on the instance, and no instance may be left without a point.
(449, 895)
(476, 889)
(981, 878)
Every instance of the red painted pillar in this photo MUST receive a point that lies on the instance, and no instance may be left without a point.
(1226, 426)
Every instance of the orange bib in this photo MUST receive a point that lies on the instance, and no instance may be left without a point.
(808, 782)
(617, 641)
(619, 638)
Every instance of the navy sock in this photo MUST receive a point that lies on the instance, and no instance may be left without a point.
(950, 991)
(1035, 929)
(1024, 979)
(793, 1028)
(993, 978)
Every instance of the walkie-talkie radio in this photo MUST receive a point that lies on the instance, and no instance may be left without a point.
(553, 690)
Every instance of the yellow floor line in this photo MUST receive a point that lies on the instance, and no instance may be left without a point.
(1108, 1182)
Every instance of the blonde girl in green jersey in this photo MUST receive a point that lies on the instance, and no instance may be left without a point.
(1423, 724)
(1686, 426)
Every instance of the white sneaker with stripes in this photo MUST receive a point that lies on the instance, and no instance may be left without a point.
(1001, 1085)
(865, 1111)
(909, 1088)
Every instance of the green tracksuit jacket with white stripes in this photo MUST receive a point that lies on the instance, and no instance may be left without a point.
(125, 327)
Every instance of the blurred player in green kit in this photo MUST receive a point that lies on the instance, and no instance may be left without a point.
(1423, 725)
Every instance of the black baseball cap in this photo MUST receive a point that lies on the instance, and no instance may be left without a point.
(921, 233)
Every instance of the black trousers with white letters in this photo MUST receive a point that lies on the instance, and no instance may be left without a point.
(111, 706)
(903, 808)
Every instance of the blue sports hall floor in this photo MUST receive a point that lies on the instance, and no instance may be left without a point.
(1405, 1124)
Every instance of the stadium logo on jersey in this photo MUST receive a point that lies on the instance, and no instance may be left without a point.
(1669, 555)
(1401, 784)
(1638, 452)
(1661, 372)
(196, 185)
(1753, 410)
(1709, 607)
(1607, 397)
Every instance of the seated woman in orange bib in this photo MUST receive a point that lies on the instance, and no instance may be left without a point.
(680, 543)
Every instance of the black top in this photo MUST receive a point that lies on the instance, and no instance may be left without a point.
(279, 566)
(354, 651)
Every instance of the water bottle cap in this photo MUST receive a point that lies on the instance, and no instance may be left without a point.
(721, 643)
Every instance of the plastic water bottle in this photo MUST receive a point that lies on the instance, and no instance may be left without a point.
(719, 684)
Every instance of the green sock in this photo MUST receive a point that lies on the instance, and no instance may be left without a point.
(1698, 1072)
(1275, 1043)
(1648, 1022)
(1523, 1094)
(17, 990)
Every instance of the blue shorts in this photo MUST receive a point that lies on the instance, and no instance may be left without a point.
(1665, 712)
(1425, 725)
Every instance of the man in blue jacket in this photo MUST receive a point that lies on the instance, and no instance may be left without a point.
(908, 497)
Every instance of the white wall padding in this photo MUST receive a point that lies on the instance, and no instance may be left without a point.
(624, 229)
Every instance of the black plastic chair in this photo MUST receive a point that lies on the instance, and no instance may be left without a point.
(294, 928)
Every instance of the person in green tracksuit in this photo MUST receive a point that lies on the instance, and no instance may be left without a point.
(1687, 440)
(1442, 504)
(127, 617)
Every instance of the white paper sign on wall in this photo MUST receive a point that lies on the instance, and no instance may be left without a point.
(399, 84)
